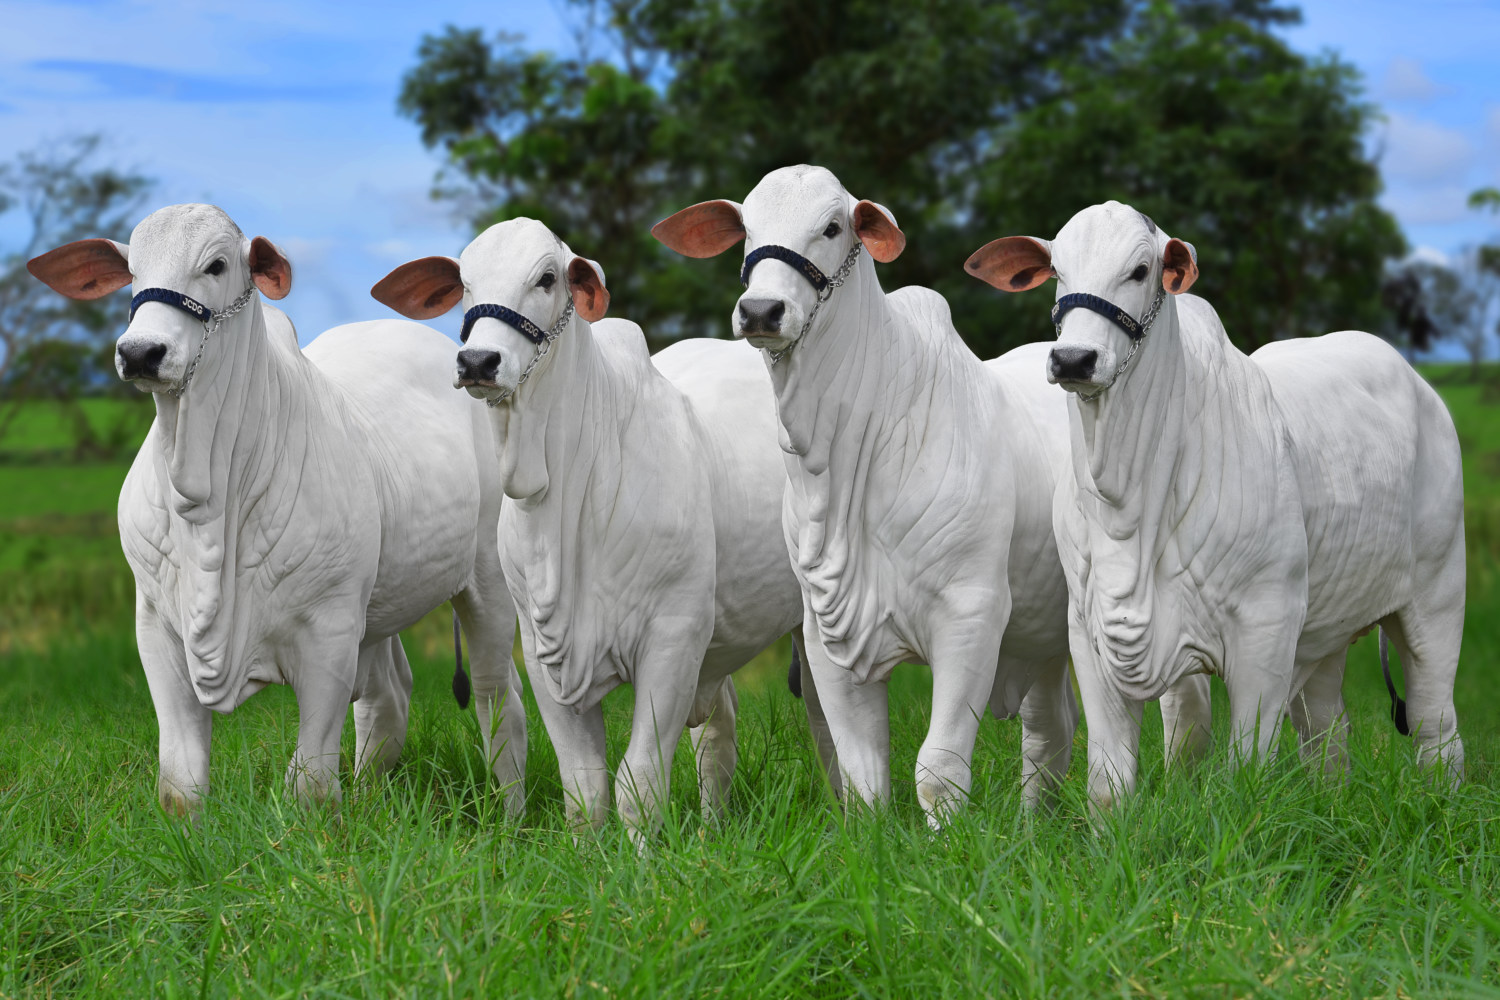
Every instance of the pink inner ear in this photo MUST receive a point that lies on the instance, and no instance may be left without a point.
(1011, 264)
(1179, 270)
(421, 289)
(269, 269)
(590, 297)
(706, 229)
(877, 232)
(87, 269)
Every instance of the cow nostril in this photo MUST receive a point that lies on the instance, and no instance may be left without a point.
(154, 355)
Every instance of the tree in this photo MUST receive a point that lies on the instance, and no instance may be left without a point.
(969, 119)
(51, 346)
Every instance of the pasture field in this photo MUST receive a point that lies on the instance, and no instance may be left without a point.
(1209, 883)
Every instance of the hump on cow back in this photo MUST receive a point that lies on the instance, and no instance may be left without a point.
(925, 313)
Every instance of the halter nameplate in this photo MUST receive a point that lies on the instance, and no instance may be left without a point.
(1102, 306)
(489, 310)
(795, 260)
(176, 300)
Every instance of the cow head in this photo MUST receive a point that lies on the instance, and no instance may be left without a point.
(191, 250)
(1109, 251)
(802, 209)
(519, 265)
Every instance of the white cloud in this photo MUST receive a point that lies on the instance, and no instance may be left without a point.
(1421, 150)
(1405, 80)
(1428, 255)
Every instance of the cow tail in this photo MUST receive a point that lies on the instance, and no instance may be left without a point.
(460, 679)
(1398, 707)
(794, 674)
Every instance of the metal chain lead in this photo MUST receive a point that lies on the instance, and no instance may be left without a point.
(835, 280)
(209, 328)
(541, 352)
(1135, 345)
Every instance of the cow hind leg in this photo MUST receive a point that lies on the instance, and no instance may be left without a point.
(1049, 716)
(715, 750)
(1428, 639)
(382, 708)
(489, 623)
(1318, 714)
(1187, 720)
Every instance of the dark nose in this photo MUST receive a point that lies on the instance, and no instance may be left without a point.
(1072, 364)
(478, 366)
(761, 315)
(138, 360)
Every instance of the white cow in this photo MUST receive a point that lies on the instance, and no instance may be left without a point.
(918, 507)
(1246, 517)
(290, 512)
(642, 538)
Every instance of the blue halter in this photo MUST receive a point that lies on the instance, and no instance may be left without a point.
(1134, 329)
(489, 310)
(176, 300)
(799, 263)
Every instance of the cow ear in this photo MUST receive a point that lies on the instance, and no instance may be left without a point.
(1179, 266)
(706, 229)
(87, 269)
(1012, 263)
(586, 282)
(877, 230)
(421, 289)
(269, 268)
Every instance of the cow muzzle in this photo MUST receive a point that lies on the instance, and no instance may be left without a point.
(477, 368)
(1072, 366)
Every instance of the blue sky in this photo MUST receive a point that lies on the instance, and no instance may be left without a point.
(284, 114)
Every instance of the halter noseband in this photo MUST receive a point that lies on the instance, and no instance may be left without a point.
(1135, 329)
(822, 283)
(211, 321)
(541, 338)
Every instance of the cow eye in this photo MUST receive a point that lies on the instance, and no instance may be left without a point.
(546, 281)
(832, 230)
(1139, 274)
(216, 268)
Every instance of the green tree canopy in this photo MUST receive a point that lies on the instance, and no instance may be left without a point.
(969, 119)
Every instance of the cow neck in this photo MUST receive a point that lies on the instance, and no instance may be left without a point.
(856, 395)
(242, 425)
(562, 462)
(1189, 429)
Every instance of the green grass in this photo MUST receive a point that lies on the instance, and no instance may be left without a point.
(1211, 883)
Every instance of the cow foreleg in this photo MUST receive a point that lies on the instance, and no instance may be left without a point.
(1317, 712)
(382, 706)
(817, 722)
(1049, 716)
(1258, 676)
(1187, 719)
(324, 683)
(715, 750)
(489, 623)
(859, 723)
(183, 725)
(1114, 725)
(963, 675)
(665, 683)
